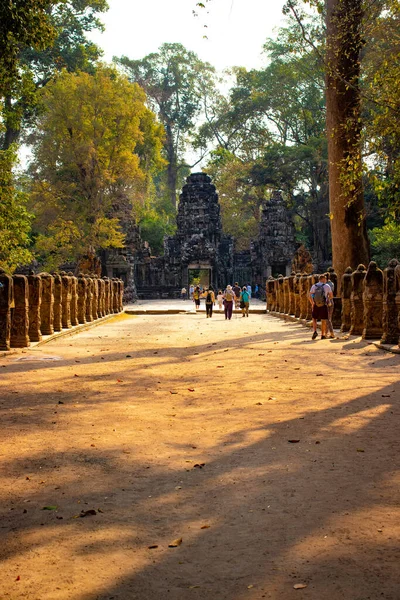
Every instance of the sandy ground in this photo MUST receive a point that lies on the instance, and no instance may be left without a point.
(273, 458)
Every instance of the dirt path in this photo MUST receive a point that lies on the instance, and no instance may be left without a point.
(300, 483)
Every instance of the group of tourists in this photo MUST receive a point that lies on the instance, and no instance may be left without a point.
(232, 297)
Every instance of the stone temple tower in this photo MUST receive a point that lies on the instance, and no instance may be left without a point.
(199, 248)
(273, 251)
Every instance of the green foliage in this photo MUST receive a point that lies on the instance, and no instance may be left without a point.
(95, 147)
(15, 220)
(385, 242)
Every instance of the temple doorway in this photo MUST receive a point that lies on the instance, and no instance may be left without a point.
(201, 277)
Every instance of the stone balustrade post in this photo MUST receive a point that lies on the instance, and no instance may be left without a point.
(74, 299)
(291, 277)
(390, 320)
(286, 295)
(66, 298)
(115, 295)
(347, 286)
(107, 295)
(276, 295)
(121, 296)
(281, 294)
(57, 302)
(35, 301)
(89, 299)
(373, 303)
(269, 291)
(357, 304)
(19, 337)
(303, 296)
(47, 304)
(102, 303)
(309, 284)
(296, 288)
(82, 293)
(337, 300)
(95, 295)
(6, 304)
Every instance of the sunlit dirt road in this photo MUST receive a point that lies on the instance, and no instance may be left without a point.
(270, 460)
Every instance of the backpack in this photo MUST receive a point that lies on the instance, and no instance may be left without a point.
(228, 296)
(209, 298)
(319, 295)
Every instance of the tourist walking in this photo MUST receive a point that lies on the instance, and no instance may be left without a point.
(183, 293)
(220, 299)
(229, 298)
(249, 290)
(244, 301)
(191, 290)
(196, 297)
(237, 290)
(320, 295)
(210, 301)
(256, 289)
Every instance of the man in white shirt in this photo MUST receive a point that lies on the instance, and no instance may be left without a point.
(320, 296)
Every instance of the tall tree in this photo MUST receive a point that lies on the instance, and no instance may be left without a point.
(173, 79)
(94, 145)
(344, 43)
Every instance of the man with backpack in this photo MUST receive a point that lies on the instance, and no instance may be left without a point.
(237, 289)
(210, 301)
(320, 296)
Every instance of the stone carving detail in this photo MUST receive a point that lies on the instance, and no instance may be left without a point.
(303, 284)
(82, 293)
(390, 317)
(373, 302)
(107, 295)
(347, 286)
(309, 307)
(20, 317)
(57, 302)
(115, 299)
(6, 303)
(89, 299)
(102, 288)
(66, 297)
(35, 301)
(296, 289)
(47, 305)
(357, 305)
(74, 300)
(291, 293)
(95, 296)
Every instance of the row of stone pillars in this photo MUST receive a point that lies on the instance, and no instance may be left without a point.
(38, 305)
(369, 304)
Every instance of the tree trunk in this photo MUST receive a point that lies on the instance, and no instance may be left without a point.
(172, 168)
(349, 234)
(11, 133)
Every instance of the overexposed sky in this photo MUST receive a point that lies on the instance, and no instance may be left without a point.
(236, 29)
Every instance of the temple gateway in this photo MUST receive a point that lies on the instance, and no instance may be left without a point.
(201, 251)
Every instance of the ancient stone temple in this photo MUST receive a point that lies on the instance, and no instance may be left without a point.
(273, 250)
(199, 249)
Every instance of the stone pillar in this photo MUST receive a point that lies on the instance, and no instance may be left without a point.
(373, 303)
(89, 298)
(310, 283)
(303, 296)
(269, 290)
(280, 294)
(95, 295)
(276, 295)
(286, 295)
(57, 302)
(357, 304)
(296, 288)
(347, 286)
(6, 304)
(115, 294)
(102, 292)
(47, 305)
(337, 300)
(121, 295)
(106, 295)
(291, 293)
(66, 297)
(390, 320)
(35, 301)
(82, 293)
(20, 317)
(74, 300)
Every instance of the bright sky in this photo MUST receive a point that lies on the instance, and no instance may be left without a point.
(236, 29)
